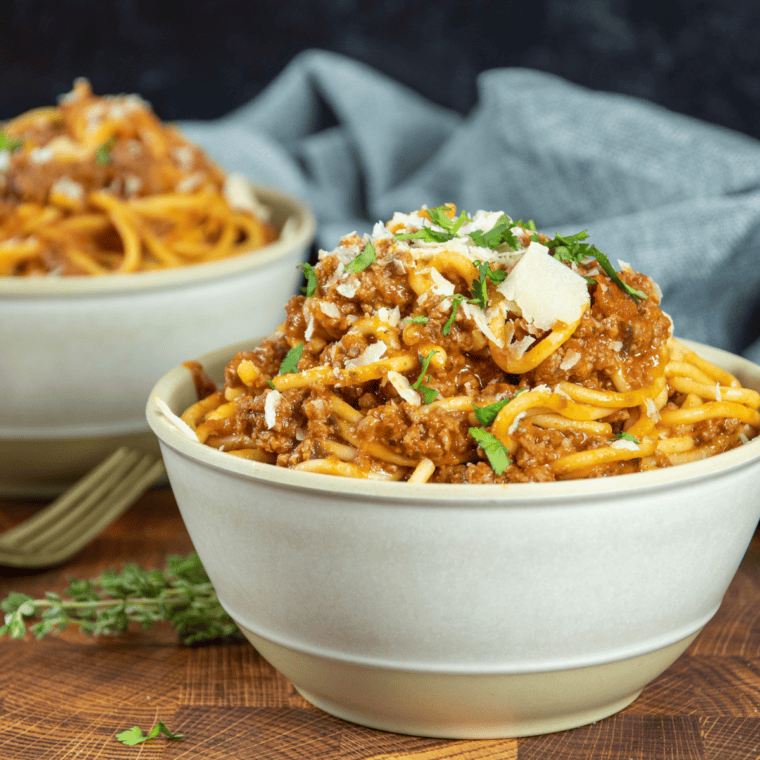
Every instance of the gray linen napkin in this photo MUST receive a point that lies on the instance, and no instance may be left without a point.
(676, 198)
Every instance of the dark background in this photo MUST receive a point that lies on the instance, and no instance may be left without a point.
(202, 59)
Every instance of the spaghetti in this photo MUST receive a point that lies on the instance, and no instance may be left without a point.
(99, 185)
(445, 348)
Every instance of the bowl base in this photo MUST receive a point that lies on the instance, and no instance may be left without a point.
(467, 706)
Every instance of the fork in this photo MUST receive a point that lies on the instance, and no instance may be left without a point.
(61, 529)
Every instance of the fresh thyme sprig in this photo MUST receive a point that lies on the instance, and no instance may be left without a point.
(182, 595)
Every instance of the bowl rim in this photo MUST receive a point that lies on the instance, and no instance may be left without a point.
(300, 234)
(557, 492)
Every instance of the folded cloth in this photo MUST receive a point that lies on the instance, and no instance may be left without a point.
(676, 198)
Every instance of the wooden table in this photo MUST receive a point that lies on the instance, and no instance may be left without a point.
(68, 696)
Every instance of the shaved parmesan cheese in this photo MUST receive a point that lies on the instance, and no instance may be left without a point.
(652, 412)
(309, 328)
(718, 396)
(441, 286)
(239, 194)
(178, 422)
(391, 316)
(373, 353)
(478, 316)
(404, 388)
(329, 309)
(271, 403)
(622, 443)
(545, 290)
(570, 360)
(516, 422)
(348, 289)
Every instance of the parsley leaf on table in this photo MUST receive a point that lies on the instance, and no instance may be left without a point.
(133, 736)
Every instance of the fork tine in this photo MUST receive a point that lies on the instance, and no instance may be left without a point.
(11, 538)
(71, 519)
(78, 538)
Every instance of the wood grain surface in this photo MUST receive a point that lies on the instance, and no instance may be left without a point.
(68, 696)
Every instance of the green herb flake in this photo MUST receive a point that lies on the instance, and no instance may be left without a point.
(103, 152)
(438, 216)
(428, 394)
(366, 258)
(11, 144)
(311, 279)
(289, 364)
(627, 437)
(499, 235)
(416, 320)
(479, 287)
(133, 736)
(455, 301)
(498, 456)
(569, 248)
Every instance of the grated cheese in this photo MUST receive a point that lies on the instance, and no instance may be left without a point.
(272, 401)
(374, 352)
(404, 388)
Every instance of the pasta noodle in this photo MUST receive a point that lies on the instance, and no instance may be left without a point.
(99, 185)
(444, 348)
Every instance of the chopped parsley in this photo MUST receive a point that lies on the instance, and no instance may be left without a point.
(498, 456)
(311, 280)
(499, 235)
(570, 248)
(479, 286)
(103, 152)
(416, 320)
(455, 301)
(428, 394)
(449, 227)
(366, 258)
(11, 144)
(289, 364)
(487, 414)
(627, 437)
(133, 736)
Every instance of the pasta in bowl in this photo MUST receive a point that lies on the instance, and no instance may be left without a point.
(123, 249)
(462, 598)
(474, 350)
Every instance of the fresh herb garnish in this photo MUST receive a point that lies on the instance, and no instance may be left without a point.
(479, 286)
(416, 320)
(570, 248)
(11, 144)
(449, 227)
(363, 260)
(289, 364)
(103, 152)
(455, 301)
(182, 595)
(497, 454)
(428, 394)
(487, 414)
(627, 437)
(311, 279)
(134, 735)
(500, 234)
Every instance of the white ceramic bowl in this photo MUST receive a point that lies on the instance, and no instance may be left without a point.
(78, 355)
(464, 611)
